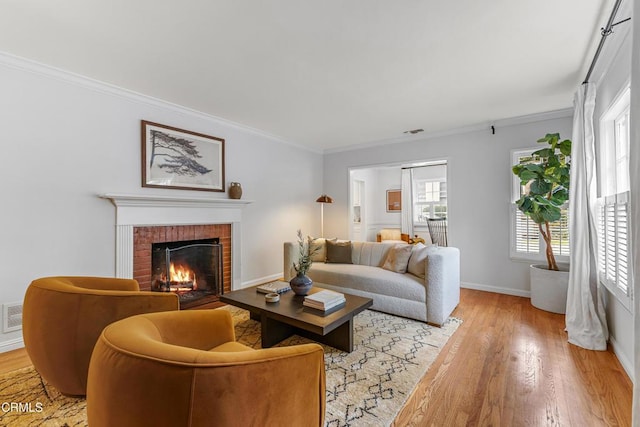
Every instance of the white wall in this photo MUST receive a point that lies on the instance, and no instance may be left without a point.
(66, 139)
(386, 179)
(377, 181)
(635, 205)
(611, 76)
(478, 187)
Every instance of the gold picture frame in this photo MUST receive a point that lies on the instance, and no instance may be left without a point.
(394, 200)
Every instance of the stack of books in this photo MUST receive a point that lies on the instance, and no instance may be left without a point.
(324, 300)
(277, 287)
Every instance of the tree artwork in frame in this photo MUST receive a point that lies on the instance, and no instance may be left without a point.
(394, 200)
(178, 158)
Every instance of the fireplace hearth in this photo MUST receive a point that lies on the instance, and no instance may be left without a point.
(192, 269)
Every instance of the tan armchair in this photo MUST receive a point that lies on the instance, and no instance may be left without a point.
(391, 234)
(64, 316)
(186, 369)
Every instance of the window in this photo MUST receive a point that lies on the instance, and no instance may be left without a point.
(429, 193)
(613, 204)
(526, 241)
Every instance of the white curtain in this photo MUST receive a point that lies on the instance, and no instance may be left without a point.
(634, 171)
(407, 201)
(585, 317)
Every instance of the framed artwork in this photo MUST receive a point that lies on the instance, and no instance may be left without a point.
(178, 158)
(394, 200)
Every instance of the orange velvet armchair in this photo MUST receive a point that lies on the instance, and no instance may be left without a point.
(64, 316)
(186, 369)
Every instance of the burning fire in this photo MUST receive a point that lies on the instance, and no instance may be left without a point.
(182, 276)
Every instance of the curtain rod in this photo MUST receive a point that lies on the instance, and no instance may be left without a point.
(606, 31)
(438, 163)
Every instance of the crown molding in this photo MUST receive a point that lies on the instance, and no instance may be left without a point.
(23, 64)
(512, 121)
(28, 65)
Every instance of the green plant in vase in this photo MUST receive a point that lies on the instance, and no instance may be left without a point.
(546, 187)
(301, 283)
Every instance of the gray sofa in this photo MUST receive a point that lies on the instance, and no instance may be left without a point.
(430, 299)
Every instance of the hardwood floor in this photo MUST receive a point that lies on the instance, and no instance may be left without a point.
(12, 360)
(509, 364)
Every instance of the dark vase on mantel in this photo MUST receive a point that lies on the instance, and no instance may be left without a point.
(301, 284)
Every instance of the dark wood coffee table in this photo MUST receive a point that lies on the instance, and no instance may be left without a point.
(288, 316)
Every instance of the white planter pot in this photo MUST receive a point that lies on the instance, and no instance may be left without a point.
(549, 287)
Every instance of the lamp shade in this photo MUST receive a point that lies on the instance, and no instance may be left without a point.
(324, 199)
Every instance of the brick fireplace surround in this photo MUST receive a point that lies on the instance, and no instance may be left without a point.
(143, 220)
(144, 237)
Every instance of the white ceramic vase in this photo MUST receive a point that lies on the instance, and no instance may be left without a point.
(549, 287)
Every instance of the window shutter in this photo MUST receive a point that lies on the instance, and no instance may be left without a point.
(560, 234)
(527, 234)
(622, 243)
(602, 259)
(610, 242)
(613, 240)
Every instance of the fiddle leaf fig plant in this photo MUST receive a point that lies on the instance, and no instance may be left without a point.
(545, 179)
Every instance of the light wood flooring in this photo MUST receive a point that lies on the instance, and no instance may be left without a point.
(509, 364)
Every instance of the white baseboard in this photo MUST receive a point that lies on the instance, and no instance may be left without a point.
(496, 289)
(261, 280)
(13, 344)
(624, 361)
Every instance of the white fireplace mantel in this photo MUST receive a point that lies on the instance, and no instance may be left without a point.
(150, 210)
(147, 200)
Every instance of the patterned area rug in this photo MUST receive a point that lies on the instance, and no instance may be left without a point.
(366, 387)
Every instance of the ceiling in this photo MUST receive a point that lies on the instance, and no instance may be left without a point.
(324, 74)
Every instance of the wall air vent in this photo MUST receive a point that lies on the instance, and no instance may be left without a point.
(11, 317)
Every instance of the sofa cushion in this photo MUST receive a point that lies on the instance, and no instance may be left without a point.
(317, 248)
(418, 260)
(338, 252)
(370, 279)
(370, 253)
(398, 258)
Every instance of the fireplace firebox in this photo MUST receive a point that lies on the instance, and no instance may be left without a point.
(192, 269)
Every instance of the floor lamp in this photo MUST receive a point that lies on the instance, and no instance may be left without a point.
(322, 200)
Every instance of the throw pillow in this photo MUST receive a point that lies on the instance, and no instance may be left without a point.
(418, 260)
(398, 258)
(317, 248)
(339, 252)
